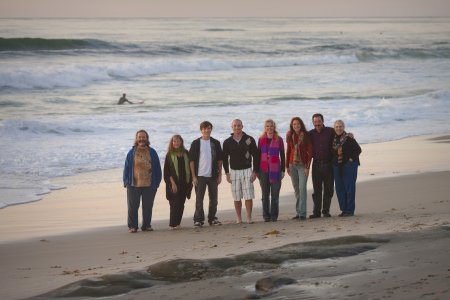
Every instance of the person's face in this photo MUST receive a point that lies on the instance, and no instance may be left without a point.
(318, 123)
(176, 143)
(269, 128)
(237, 127)
(339, 128)
(206, 132)
(142, 139)
(297, 126)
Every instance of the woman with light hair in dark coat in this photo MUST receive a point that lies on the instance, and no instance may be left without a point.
(346, 153)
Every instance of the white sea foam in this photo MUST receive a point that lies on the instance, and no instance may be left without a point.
(48, 76)
(63, 146)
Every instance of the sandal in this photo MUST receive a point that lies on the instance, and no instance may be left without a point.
(147, 229)
(171, 228)
(133, 230)
(179, 226)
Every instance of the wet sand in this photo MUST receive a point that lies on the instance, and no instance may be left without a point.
(396, 205)
(86, 206)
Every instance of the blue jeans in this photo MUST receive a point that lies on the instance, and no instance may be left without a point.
(133, 199)
(270, 208)
(299, 183)
(346, 186)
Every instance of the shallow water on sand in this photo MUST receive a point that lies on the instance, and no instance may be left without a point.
(262, 274)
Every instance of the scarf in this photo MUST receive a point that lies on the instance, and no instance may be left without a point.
(174, 164)
(297, 155)
(337, 145)
(270, 159)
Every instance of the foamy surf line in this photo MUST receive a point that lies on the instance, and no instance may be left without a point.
(80, 145)
(78, 75)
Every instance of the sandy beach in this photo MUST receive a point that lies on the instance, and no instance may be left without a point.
(395, 246)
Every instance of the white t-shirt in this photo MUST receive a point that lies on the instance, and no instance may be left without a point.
(204, 164)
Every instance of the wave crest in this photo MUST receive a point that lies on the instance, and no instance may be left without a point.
(32, 44)
(77, 75)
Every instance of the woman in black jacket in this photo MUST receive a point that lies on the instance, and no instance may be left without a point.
(178, 179)
(345, 164)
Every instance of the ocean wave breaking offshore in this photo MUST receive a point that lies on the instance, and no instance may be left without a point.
(78, 75)
(65, 146)
(33, 44)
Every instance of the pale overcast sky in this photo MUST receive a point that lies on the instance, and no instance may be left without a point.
(225, 8)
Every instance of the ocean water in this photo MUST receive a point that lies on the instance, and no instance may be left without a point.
(60, 80)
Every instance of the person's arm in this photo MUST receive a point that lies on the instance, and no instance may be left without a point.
(219, 166)
(288, 157)
(310, 156)
(192, 158)
(194, 178)
(156, 168)
(128, 101)
(174, 185)
(225, 153)
(256, 155)
(282, 157)
(126, 171)
(166, 173)
(259, 149)
(356, 150)
(219, 161)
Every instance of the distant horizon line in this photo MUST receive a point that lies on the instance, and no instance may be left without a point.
(353, 17)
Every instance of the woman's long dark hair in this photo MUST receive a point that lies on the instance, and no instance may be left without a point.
(306, 133)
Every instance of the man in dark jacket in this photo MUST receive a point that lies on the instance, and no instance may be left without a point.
(240, 148)
(205, 160)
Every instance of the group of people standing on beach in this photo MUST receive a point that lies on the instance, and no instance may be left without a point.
(333, 153)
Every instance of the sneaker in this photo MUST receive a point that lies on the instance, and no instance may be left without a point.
(273, 219)
(302, 218)
(215, 222)
(296, 217)
(197, 224)
(348, 215)
(266, 220)
(327, 215)
(341, 214)
(314, 216)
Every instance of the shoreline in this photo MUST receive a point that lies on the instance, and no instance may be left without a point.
(83, 206)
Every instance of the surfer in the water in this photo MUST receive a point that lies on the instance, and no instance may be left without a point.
(122, 100)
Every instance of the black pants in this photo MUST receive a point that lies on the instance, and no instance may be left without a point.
(322, 174)
(200, 190)
(177, 206)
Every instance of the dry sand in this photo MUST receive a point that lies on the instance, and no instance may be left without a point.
(37, 256)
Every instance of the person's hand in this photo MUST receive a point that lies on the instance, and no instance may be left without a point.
(350, 135)
(257, 176)
(228, 177)
(282, 175)
(174, 188)
(126, 185)
(219, 179)
(253, 178)
(288, 171)
(194, 180)
(351, 160)
(306, 173)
